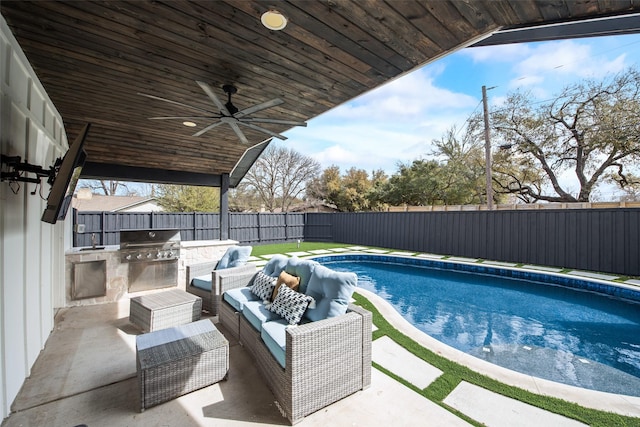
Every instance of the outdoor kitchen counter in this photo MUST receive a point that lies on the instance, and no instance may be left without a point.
(108, 265)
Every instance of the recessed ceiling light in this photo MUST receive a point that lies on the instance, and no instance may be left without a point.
(189, 124)
(273, 20)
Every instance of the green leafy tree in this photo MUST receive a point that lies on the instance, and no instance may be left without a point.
(590, 130)
(352, 192)
(184, 198)
(462, 172)
(415, 184)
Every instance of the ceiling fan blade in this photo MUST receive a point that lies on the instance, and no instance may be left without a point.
(263, 130)
(207, 129)
(259, 107)
(275, 121)
(174, 102)
(207, 89)
(238, 132)
(184, 117)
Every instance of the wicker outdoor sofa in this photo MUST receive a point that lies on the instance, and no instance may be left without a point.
(205, 279)
(324, 360)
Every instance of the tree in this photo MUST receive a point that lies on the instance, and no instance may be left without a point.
(107, 187)
(185, 198)
(243, 199)
(414, 184)
(280, 176)
(462, 174)
(590, 129)
(352, 192)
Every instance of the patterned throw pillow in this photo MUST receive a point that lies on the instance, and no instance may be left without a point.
(290, 304)
(263, 286)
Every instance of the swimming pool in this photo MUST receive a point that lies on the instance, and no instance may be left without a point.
(578, 332)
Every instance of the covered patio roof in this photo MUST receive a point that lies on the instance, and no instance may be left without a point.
(96, 58)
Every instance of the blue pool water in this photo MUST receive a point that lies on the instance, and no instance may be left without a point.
(566, 335)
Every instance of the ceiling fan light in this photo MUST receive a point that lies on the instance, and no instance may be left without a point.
(189, 124)
(273, 20)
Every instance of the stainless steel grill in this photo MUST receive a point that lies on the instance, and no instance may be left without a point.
(149, 245)
(152, 256)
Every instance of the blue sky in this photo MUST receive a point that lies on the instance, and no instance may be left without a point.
(397, 122)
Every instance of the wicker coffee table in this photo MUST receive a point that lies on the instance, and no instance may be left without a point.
(176, 361)
(164, 309)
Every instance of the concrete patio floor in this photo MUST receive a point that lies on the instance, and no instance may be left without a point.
(86, 375)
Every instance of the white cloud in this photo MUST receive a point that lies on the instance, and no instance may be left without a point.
(549, 66)
(404, 99)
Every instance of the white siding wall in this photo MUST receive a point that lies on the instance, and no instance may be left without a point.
(31, 252)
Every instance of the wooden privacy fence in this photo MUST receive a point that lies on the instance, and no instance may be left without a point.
(248, 228)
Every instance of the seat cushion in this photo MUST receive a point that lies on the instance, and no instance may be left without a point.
(274, 336)
(332, 291)
(235, 256)
(302, 268)
(202, 282)
(257, 314)
(238, 297)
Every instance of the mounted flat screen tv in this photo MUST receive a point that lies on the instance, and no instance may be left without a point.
(65, 179)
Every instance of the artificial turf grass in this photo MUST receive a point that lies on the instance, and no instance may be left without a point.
(454, 373)
(283, 248)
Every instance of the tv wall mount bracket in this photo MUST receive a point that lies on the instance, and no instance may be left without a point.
(17, 168)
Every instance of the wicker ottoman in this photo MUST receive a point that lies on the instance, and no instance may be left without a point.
(176, 361)
(164, 310)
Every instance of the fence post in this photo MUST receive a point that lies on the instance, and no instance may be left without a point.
(286, 226)
(102, 234)
(195, 236)
(224, 207)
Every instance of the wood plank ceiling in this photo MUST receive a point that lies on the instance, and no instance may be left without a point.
(95, 57)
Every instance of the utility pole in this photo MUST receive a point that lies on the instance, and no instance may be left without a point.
(487, 148)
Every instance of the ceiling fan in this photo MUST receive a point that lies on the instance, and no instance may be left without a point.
(229, 113)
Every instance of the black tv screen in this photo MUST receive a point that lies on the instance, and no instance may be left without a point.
(65, 180)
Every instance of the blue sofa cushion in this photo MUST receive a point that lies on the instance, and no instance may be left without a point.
(257, 314)
(290, 304)
(263, 286)
(302, 268)
(332, 291)
(238, 297)
(274, 336)
(235, 256)
(202, 282)
(275, 265)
